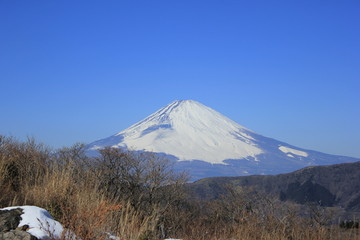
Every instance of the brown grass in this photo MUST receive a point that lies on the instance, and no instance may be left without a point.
(72, 190)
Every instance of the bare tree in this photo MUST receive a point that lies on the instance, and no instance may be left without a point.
(143, 178)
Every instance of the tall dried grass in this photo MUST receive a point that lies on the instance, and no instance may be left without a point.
(73, 193)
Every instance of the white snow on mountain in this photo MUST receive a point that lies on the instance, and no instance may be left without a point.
(188, 130)
(293, 151)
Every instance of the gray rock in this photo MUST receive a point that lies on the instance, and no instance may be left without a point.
(17, 235)
(9, 222)
(10, 219)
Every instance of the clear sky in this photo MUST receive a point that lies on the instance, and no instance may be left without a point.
(80, 70)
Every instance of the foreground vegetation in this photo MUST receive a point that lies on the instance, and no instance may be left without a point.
(138, 196)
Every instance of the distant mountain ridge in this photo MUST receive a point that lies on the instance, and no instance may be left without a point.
(333, 185)
(206, 143)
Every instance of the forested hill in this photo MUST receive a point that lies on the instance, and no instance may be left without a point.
(333, 185)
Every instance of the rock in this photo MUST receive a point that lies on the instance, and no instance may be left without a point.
(9, 222)
(10, 219)
(23, 228)
(17, 235)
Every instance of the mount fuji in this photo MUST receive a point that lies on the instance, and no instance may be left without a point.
(205, 143)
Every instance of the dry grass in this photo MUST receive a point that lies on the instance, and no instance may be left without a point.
(74, 194)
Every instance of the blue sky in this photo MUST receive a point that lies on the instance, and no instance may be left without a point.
(78, 71)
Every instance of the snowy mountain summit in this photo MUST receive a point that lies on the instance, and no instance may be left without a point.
(207, 143)
(189, 130)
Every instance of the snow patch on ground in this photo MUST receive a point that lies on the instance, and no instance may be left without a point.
(41, 223)
(293, 151)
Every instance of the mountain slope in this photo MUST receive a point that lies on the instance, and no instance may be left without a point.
(332, 185)
(206, 143)
(189, 131)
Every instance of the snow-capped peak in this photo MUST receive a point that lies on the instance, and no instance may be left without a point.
(183, 112)
(190, 131)
(187, 130)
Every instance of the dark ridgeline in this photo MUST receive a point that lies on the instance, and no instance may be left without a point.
(329, 186)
